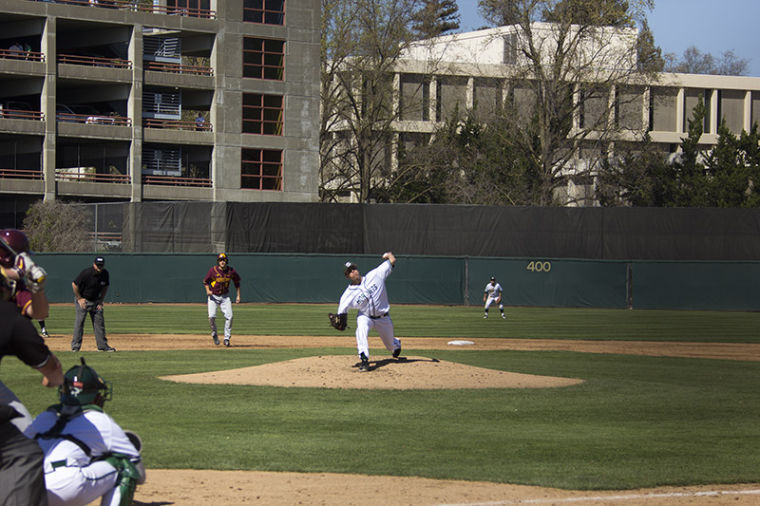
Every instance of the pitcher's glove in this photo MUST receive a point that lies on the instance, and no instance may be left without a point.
(338, 321)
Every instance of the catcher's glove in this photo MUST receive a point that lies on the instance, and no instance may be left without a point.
(338, 321)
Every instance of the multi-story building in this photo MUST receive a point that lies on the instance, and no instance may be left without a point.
(479, 71)
(137, 100)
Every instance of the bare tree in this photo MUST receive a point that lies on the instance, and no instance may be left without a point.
(570, 78)
(694, 61)
(361, 42)
(56, 226)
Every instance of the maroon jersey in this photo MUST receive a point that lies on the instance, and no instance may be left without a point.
(219, 279)
(23, 300)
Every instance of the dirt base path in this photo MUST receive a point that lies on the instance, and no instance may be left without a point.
(204, 487)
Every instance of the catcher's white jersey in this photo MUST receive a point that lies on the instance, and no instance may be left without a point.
(493, 291)
(71, 476)
(369, 296)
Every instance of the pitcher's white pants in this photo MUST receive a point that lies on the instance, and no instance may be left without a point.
(384, 327)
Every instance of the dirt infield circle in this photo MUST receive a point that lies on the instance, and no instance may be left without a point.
(203, 487)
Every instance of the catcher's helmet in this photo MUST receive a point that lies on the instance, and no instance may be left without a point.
(221, 256)
(17, 240)
(82, 385)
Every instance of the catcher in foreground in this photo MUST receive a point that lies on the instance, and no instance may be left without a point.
(367, 294)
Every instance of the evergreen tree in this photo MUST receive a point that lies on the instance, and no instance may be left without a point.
(436, 17)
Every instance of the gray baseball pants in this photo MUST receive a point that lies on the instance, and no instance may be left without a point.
(98, 325)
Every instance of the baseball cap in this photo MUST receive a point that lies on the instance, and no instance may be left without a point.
(493, 278)
(349, 267)
(99, 261)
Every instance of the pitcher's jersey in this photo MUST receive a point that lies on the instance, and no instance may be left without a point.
(369, 296)
(493, 291)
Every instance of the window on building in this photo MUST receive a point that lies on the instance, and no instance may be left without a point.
(262, 114)
(261, 169)
(629, 104)
(662, 110)
(731, 109)
(452, 98)
(268, 12)
(594, 107)
(510, 49)
(691, 99)
(755, 108)
(263, 58)
(487, 100)
(414, 103)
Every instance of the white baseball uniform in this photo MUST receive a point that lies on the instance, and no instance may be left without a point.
(71, 476)
(493, 292)
(371, 299)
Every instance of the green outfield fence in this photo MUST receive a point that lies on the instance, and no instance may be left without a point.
(318, 278)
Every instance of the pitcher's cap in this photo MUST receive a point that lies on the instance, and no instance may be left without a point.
(493, 278)
(349, 267)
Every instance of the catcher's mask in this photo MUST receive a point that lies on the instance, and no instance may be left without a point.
(221, 256)
(82, 385)
(14, 239)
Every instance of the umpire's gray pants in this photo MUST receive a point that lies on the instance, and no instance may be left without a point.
(98, 325)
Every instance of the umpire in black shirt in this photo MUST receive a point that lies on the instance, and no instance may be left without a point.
(90, 289)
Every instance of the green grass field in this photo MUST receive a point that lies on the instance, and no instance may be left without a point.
(634, 422)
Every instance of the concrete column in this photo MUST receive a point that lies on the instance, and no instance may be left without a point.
(433, 99)
(646, 101)
(134, 111)
(47, 106)
(747, 123)
(470, 93)
(680, 106)
(714, 97)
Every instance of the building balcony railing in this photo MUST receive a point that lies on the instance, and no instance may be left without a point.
(177, 124)
(135, 5)
(90, 119)
(201, 182)
(20, 174)
(178, 69)
(15, 54)
(21, 114)
(94, 61)
(88, 175)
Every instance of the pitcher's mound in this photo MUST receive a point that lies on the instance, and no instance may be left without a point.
(341, 371)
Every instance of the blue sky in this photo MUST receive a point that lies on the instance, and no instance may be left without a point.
(713, 26)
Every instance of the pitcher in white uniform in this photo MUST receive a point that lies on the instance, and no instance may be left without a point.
(368, 294)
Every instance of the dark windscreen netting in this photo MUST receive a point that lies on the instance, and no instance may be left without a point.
(483, 230)
(294, 228)
(167, 227)
(681, 234)
(442, 230)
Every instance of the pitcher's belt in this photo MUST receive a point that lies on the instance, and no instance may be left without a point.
(378, 317)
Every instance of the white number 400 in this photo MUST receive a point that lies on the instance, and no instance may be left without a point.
(538, 266)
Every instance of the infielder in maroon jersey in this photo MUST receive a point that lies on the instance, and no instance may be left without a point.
(217, 285)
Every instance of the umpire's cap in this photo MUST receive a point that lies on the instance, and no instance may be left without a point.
(349, 267)
(99, 261)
